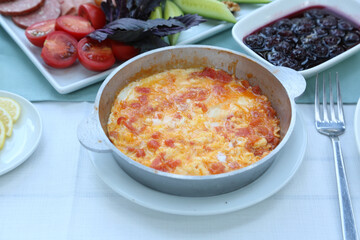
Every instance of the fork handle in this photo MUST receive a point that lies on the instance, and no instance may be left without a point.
(346, 212)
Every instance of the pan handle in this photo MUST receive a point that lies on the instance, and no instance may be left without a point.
(89, 134)
(292, 80)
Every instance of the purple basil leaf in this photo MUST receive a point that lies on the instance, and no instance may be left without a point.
(132, 7)
(101, 34)
(123, 29)
(149, 43)
(138, 9)
(173, 26)
(123, 11)
(144, 8)
(128, 36)
(115, 9)
(130, 29)
(107, 11)
(110, 11)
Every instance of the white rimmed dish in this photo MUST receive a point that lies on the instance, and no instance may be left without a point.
(357, 125)
(275, 178)
(25, 138)
(282, 8)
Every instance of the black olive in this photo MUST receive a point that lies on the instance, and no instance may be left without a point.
(298, 53)
(284, 24)
(270, 42)
(320, 50)
(274, 57)
(331, 40)
(351, 39)
(320, 32)
(314, 13)
(255, 41)
(337, 32)
(327, 22)
(268, 31)
(344, 25)
(335, 50)
(284, 47)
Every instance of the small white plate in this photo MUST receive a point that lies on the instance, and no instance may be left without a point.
(357, 125)
(282, 8)
(279, 173)
(76, 77)
(25, 137)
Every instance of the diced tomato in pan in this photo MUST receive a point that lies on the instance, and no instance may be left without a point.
(216, 168)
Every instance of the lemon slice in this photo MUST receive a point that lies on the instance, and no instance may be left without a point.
(6, 119)
(2, 135)
(11, 106)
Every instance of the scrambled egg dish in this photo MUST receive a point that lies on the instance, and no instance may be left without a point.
(193, 122)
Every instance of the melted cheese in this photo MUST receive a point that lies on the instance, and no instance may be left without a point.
(193, 122)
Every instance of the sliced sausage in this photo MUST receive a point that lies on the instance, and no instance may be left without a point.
(20, 7)
(70, 7)
(50, 10)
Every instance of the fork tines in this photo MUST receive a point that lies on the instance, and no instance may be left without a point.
(323, 111)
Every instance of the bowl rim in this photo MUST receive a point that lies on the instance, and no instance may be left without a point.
(149, 170)
(281, 8)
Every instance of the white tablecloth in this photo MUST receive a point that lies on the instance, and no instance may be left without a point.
(56, 194)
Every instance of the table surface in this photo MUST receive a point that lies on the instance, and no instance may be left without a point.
(56, 193)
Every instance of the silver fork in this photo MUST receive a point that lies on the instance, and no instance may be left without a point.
(333, 126)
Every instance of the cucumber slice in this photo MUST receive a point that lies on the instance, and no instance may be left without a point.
(157, 13)
(207, 8)
(251, 1)
(172, 10)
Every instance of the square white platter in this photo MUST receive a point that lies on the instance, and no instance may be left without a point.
(77, 77)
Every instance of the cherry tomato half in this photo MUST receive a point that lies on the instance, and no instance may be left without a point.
(37, 32)
(92, 13)
(59, 50)
(94, 55)
(122, 51)
(76, 26)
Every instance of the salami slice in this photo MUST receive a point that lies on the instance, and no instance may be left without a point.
(50, 10)
(70, 7)
(20, 7)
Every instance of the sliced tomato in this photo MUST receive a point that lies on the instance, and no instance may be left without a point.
(76, 26)
(92, 13)
(94, 55)
(38, 32)
(122, 51)
(59, 50)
